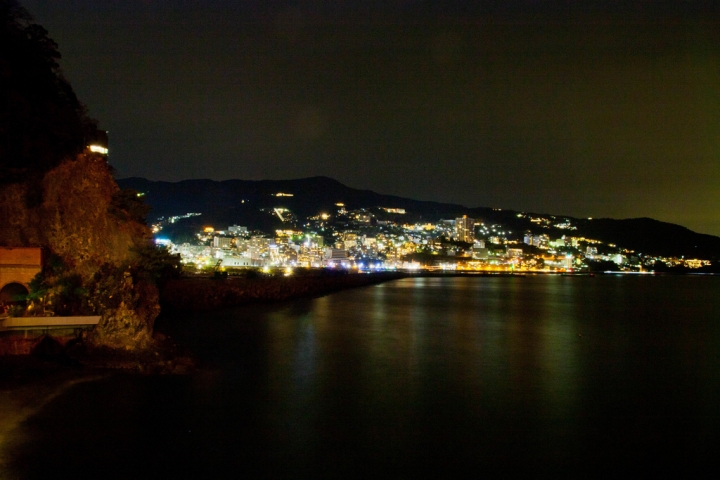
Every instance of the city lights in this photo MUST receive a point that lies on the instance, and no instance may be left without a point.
(358, 240)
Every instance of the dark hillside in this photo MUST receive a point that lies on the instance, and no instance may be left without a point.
(310, 197)
(646, 235)
(240, 202)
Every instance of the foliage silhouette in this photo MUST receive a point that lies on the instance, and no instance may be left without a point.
(42, 121)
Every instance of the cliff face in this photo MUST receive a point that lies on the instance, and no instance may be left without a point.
(67, 212)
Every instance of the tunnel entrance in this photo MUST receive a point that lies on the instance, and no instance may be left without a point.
(13, 294)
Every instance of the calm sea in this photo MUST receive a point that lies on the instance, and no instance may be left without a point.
(544, 376)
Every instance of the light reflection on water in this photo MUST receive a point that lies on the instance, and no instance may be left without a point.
(540, 375)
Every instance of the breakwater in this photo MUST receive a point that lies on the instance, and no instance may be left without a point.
(198, 294)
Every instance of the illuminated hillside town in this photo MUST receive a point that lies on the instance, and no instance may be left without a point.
(370, 239)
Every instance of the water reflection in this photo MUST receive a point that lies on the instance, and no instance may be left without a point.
(422, 376)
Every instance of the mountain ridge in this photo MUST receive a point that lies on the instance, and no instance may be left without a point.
(238, 201)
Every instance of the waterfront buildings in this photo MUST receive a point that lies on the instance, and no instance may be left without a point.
(359, 239)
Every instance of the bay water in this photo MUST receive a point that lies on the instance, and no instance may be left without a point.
(540, 376)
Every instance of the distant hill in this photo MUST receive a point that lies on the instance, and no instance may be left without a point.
(310, 196)
(240, 202)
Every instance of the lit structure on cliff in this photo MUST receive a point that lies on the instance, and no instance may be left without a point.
(98, 142)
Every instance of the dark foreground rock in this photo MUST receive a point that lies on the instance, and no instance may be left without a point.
(163, 356)
(47, 354)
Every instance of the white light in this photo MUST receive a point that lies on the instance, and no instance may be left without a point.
(98, 149)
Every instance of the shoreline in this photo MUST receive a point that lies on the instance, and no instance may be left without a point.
(22, 353)
(32, 386)
(69, 358)
(205, 294)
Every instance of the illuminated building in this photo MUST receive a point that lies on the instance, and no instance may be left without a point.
(695, 263)
(98, 142)
(465, 229)
(222, 242)
(369, 242)
(315, 240)
(236, 261)
(480, 253)
(351, 241)
(560, 242)
(237, 230)
(363, 217)
(335, 254)
(275, 256)
(258, 247)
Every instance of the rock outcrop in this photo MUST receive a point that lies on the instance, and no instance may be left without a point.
(71, 212)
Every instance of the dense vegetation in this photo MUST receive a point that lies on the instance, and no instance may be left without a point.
(42, 121)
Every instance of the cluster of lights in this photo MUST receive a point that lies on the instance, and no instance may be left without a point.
(385, 250)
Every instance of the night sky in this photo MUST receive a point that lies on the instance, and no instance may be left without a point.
(608, 109)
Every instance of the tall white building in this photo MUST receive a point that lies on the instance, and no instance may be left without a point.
(465, 229)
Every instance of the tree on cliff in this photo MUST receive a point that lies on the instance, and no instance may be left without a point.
(41, 120)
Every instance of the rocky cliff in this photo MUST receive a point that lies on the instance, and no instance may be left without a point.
(91, 243)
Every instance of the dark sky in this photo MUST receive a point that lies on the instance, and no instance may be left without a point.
(606, 109)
